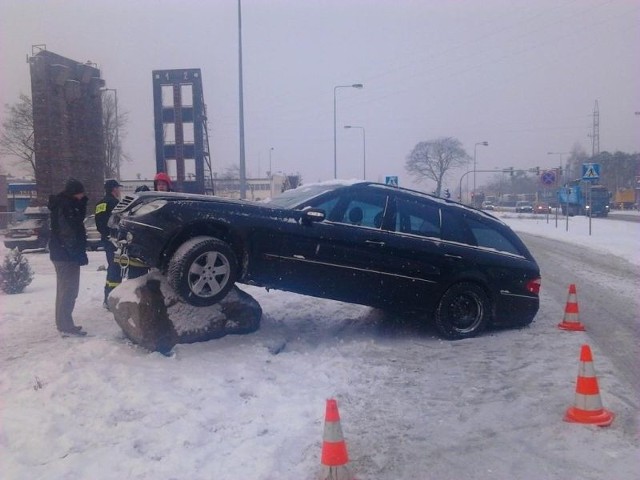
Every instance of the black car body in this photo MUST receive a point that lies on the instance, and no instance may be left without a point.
(30, 233)
(524, 207)
(364, 243)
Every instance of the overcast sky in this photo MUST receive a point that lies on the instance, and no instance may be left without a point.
(521, 75)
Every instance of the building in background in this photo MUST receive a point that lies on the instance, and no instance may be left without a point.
(67, 123)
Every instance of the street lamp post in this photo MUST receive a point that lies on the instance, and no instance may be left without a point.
(270, 174)
(486, 144)
(243, 165)
(117, 141)
(364, 150)
(335, 144)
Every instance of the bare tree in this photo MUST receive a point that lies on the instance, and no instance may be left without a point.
(231, 171)
(16, 138)
(113, 124)
(432, 160)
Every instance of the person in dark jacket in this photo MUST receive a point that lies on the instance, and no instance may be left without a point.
(103, 211)
(68, 251)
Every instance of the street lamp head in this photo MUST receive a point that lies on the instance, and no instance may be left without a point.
(357, 85)
(486, 144)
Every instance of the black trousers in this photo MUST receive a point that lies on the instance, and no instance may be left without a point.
(114, 277)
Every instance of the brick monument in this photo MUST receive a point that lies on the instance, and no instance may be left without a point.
(67, 122)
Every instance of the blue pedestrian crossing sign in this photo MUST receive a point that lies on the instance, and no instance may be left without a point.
(590, 171)
(391, 180)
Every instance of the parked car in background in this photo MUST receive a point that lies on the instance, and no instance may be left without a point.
(524, 207)
(93, 235)
(30, 233)
(367, 243)
(542, 207)
(486, 205)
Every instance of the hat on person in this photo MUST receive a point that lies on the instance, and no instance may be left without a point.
(161, 177)
(73, 187)
(111, 184)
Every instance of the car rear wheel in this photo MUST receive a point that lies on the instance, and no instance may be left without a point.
(202, 271)
(463, 311)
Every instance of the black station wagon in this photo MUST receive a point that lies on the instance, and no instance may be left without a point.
(360, 242)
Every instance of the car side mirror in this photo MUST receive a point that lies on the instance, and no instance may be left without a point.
(310, 215)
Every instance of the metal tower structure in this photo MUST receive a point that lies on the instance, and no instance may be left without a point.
(182, 142)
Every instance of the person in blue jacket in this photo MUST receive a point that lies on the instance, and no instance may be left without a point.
(68, 251)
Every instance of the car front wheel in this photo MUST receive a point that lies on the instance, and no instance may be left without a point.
(463, 311)
(202, 271)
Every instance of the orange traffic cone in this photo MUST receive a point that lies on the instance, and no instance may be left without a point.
(588, 405)
(570, 320)
(334, 450)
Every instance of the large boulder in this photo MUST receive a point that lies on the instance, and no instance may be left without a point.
(151, 314)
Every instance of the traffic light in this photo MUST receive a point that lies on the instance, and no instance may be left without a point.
(447, 194)
(538, 171)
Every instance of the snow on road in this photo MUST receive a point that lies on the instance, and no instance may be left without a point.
(252, 407)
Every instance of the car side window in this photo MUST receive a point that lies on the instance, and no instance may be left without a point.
(455, 227)
(489, 237)
(328, 206)
(417, 218)
(365, 213)
(363, 208)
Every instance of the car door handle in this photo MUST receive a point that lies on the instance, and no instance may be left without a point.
(373, 242)
(455, 257)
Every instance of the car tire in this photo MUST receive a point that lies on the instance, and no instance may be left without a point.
(202, 271)
(463, 311)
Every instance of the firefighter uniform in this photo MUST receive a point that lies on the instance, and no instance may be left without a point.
(103, 211)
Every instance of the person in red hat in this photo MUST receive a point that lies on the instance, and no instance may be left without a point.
(103, 211)
(162, 182)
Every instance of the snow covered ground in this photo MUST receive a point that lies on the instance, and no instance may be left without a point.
(412, 406)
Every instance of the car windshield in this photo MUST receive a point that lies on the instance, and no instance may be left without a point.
(300, 195)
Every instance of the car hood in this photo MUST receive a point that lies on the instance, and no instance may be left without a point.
(27, 224)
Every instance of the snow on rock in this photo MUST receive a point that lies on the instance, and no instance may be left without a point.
(151, 314)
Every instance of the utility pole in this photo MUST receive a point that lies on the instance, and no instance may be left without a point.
(595, 133)
(243, 170)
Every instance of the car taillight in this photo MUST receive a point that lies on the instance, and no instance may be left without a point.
(533, 286)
